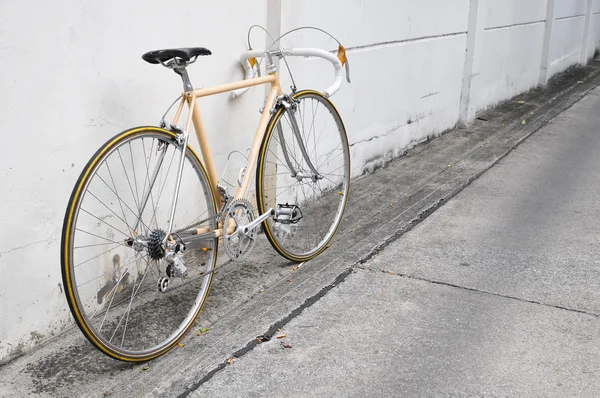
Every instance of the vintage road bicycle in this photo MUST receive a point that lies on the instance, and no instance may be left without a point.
(146, 216)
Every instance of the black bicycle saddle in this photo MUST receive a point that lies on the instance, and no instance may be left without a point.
(184, 54)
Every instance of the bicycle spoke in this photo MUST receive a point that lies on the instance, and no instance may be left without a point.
(127, 207)
(118, 197)
(150, 184)
(98, 236)
(321, 209)
(115, 228)
(130, 302)
(115, 285)
(113, 288)
(134, 175)
(137, 205)
(95, 257)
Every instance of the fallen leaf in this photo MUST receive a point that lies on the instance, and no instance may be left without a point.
(390, 205)
(229, 360)
(579, 81)
(523, 122)
(145, 368)
(260, 339)
(261, 290)
(281, 336)
(340, 193)
(180, 345)
(285, 345)
(391, 273)
(406, 195)
(449, 165)
(107, 394)
(520, 102)
(202, 331)
(289, 280)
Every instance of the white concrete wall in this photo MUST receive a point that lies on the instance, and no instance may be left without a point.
(511, 50)
(567, 37)
(594, 42)
(72, 77)
(409, 55)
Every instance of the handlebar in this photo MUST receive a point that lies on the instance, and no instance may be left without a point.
(294, 52)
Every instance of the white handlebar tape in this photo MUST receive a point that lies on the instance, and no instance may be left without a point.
(335, 61)
(295, 52)
(249, 71)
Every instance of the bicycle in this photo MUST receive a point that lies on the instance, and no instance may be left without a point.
(146, 216)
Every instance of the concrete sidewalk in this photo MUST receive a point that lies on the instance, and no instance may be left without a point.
(497, 294)
(266, 293)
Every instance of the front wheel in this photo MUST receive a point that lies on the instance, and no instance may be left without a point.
(304, 175)
(122, 293)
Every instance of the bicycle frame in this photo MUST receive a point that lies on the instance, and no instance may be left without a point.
(194, 117)
(272, 78)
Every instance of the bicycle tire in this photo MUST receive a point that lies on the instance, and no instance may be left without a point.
(76, 215)
(337, 188)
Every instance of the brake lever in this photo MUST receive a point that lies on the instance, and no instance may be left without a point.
(347, 65)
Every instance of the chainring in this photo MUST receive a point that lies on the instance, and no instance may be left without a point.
(240, 212)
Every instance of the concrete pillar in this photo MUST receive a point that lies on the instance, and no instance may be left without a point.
(585, 47)
(273, 25)
(475, 32)
(544, 75)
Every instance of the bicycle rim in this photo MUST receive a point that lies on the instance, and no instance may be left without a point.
(283, 176)
(112, 285)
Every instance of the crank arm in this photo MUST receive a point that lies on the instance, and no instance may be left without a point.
(245, 229)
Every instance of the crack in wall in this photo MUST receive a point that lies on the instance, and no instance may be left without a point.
(377, 136)
(25, 246)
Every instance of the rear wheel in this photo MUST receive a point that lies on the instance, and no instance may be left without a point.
(121, 292)
(308, 205)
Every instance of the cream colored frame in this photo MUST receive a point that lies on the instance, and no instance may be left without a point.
(194, 117)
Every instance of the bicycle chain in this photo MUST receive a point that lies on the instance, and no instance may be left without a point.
(226, 203)
(217, 216)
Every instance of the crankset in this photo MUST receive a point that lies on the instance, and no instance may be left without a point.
(239, 228)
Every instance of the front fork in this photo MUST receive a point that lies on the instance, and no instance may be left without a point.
(291, 107)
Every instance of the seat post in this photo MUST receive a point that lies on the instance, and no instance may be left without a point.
(181, 71)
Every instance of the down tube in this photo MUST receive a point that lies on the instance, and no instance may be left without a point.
(260, 132)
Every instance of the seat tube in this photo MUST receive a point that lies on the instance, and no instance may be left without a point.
(204, 148)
